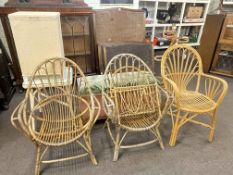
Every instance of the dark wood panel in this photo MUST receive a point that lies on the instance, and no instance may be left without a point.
(46, 2)
(6, 82)
(223, 60)
(209, 40)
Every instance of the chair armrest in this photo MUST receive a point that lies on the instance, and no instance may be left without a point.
(96, 109)
(18, 118)
(109, 106)
(172, 88)
(166, 101)
(214, 87)
(15, 116)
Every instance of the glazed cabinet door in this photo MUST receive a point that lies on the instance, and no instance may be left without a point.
(77, 33)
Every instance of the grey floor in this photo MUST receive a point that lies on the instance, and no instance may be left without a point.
(192, 155)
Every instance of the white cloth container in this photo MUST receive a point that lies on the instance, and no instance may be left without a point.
(37, 37)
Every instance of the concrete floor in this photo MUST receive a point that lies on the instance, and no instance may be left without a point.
(192, 155)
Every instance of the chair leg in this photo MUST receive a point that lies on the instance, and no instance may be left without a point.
(87, 140)
(159, 138)
(213, 125)
(175, 130)
(38, 154)
(172, 116)
(92, 157)
(117, 142)
(106, 123)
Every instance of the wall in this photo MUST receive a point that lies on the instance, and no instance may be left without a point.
(2, 2)
(96, 4)
(214, 4)
(92, 3)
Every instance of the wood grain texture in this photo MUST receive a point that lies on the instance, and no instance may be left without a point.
(209, 40)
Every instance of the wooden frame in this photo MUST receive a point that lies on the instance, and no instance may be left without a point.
(225, 43)
(195, 93)
(58, 115)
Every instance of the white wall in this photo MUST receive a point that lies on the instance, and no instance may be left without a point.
(92, 3)
(214, 4)
(2, 2)
(96, 4)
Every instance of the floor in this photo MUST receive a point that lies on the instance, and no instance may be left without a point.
(192, 155)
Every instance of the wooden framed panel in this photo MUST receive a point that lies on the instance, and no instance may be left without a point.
(78, 41)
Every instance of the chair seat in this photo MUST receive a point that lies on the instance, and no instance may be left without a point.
(196, 102)
(59, 132)
(139, 122)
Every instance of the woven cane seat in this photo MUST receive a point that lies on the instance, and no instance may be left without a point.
(52, 132)
(139, 122)
(196, 102)
(60, 127)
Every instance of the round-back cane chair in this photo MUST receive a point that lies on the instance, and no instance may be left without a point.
(54, 111)
(132, 99)
(195, 92)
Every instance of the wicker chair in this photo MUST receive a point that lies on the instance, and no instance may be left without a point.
(195, 93)
(58, 114)
(133, 100)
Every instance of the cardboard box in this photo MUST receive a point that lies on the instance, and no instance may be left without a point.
(194, 12)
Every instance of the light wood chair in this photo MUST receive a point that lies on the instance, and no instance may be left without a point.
(60, 114)
(195, 93)
(133, 101)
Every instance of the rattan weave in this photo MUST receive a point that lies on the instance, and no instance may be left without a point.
(133, 105)
(53, 113)
(195, 93)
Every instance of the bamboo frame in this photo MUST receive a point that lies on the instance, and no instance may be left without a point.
(132, 105)
(181, 70)
(59, 114)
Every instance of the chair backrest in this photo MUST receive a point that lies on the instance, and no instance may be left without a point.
(181, 63)
(59, 114)
(127, 69)
(132, 85)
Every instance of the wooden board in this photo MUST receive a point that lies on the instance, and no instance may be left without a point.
(108, 50)
(209, 40)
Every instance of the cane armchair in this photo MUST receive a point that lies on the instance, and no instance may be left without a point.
(194, 92)
(58, 114)
(132, 100)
